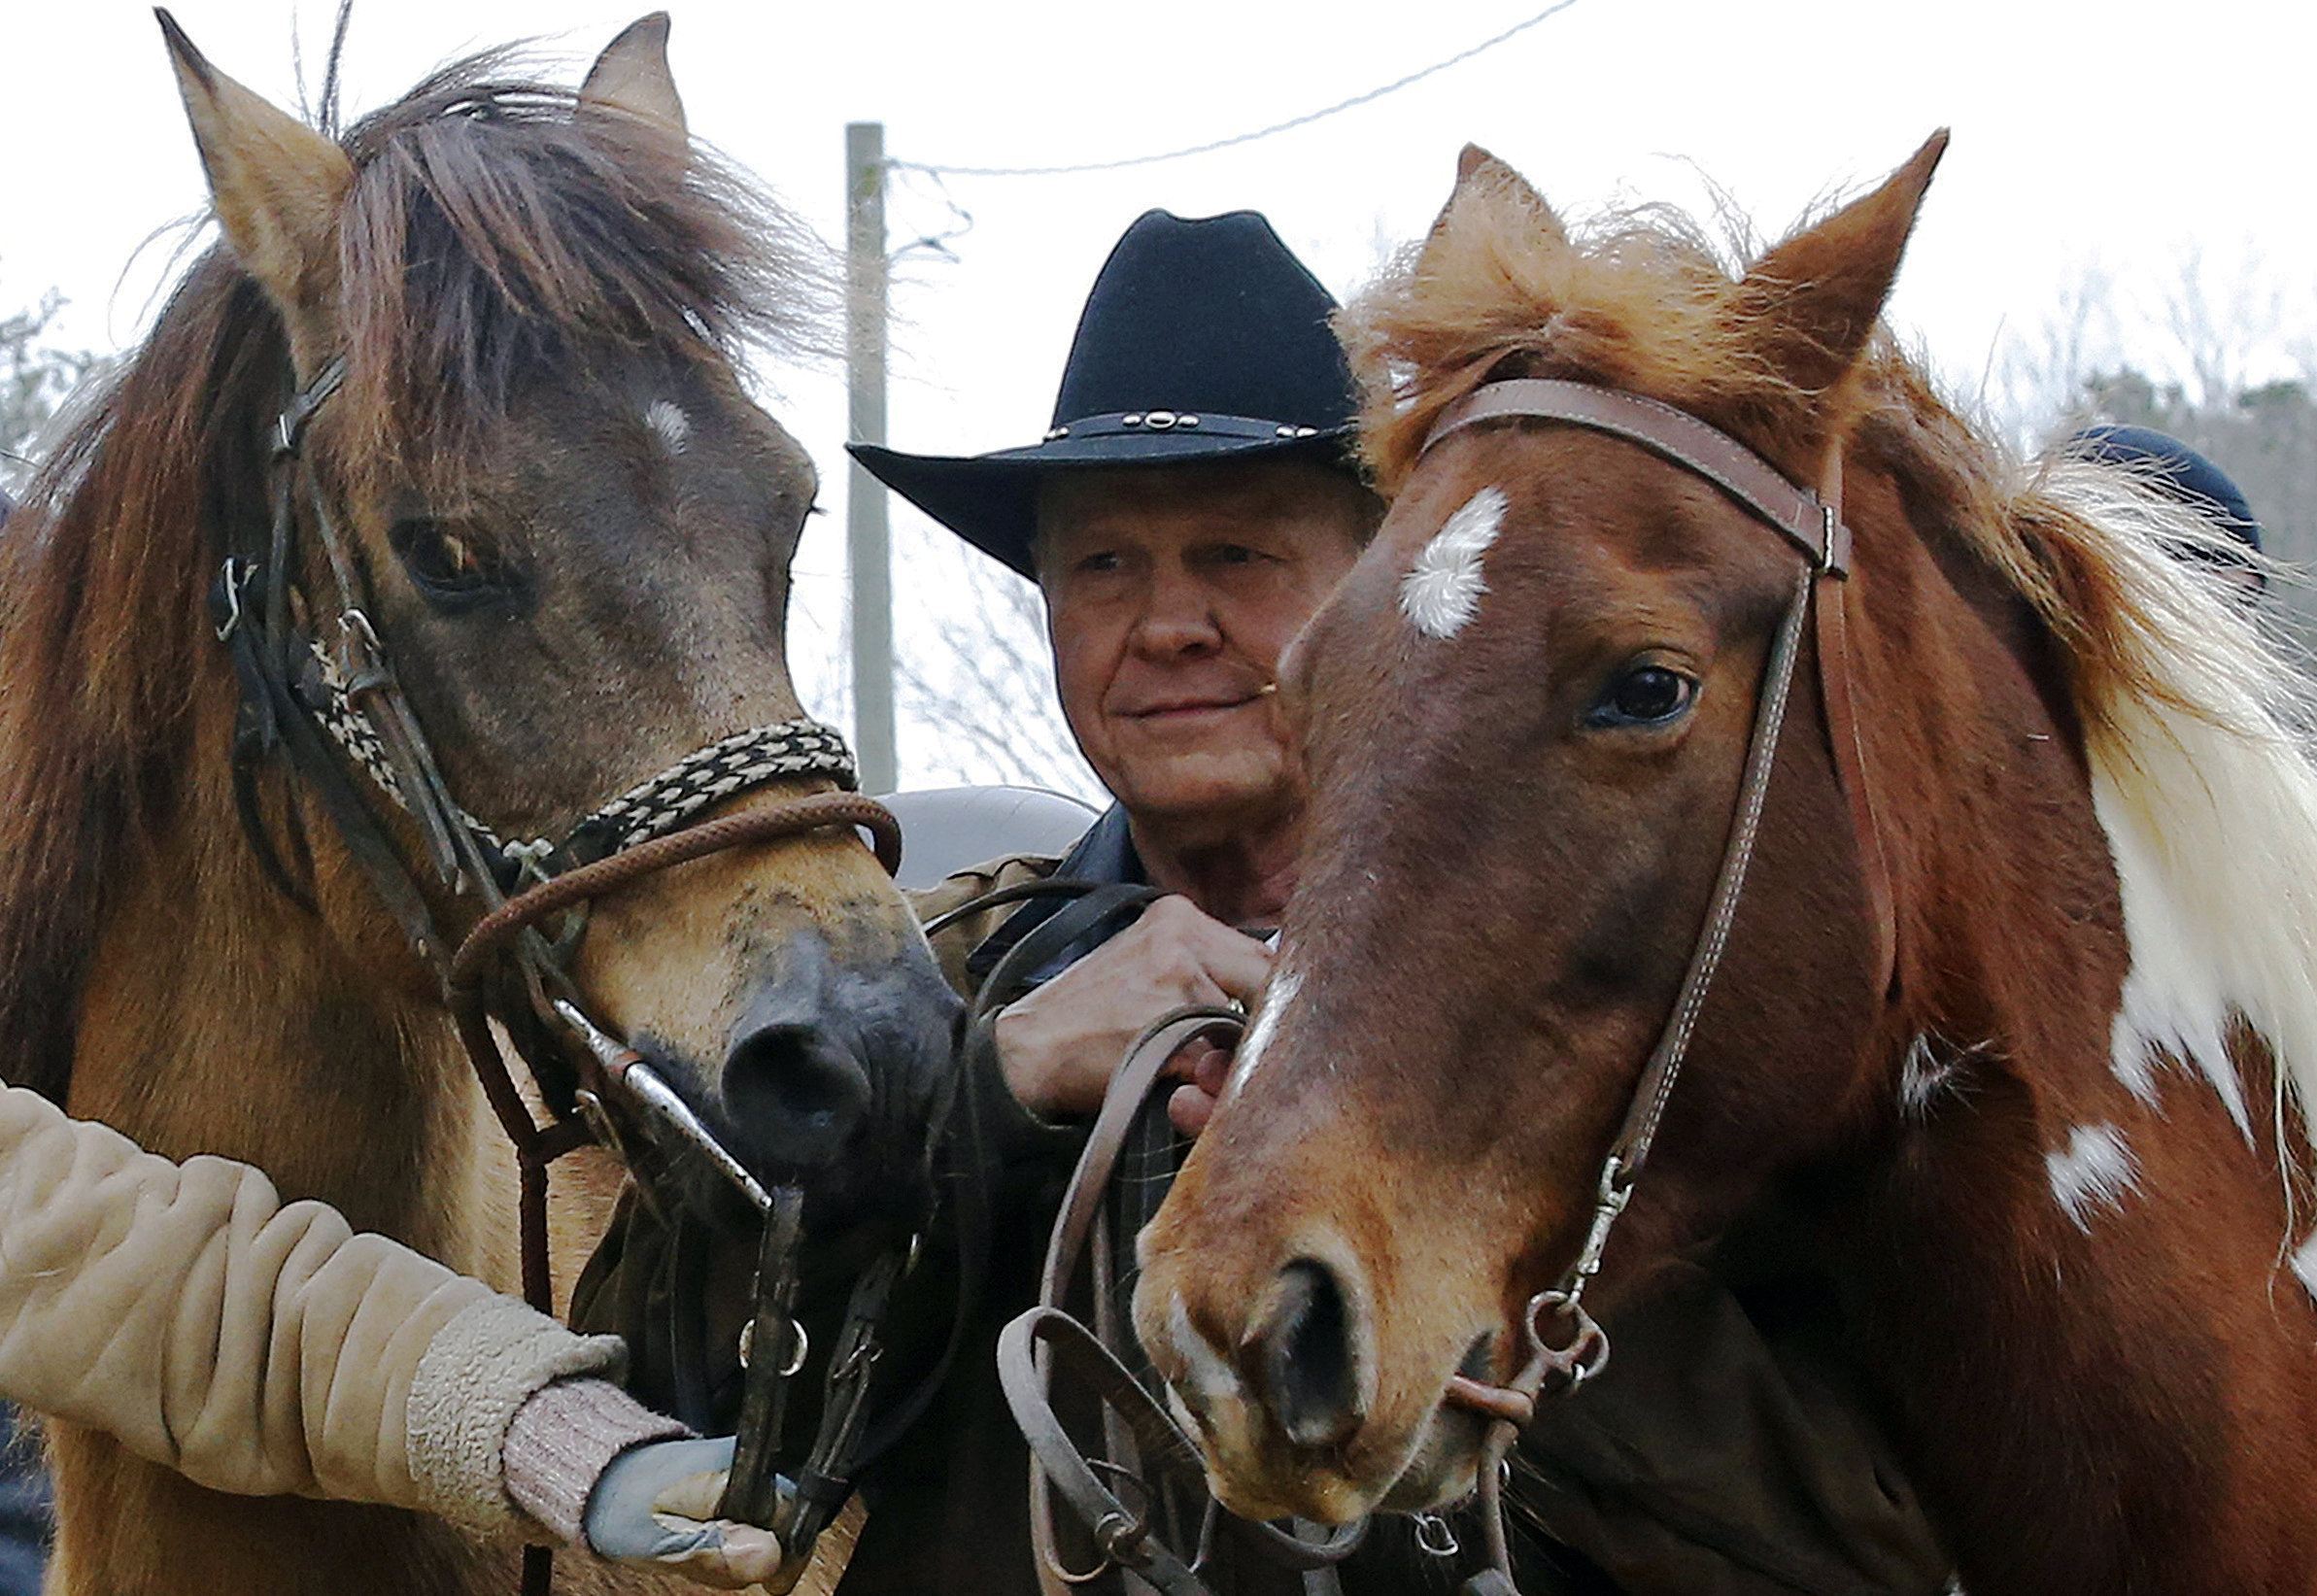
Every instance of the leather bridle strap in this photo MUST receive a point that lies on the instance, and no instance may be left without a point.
(1810, 521)
(1811, 524)
(1564, 1345)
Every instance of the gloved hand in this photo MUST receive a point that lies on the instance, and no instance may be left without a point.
(656, 1504)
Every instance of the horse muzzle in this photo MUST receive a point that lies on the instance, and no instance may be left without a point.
(836, 1072)
(1289, 1408)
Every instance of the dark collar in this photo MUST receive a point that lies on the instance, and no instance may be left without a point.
(1106, 853)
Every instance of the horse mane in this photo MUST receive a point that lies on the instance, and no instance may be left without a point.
(496, 230)
(2196, 718)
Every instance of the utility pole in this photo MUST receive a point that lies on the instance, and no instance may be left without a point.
(869, 552)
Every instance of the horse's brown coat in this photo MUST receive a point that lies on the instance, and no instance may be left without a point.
(515, 275)
(1497, 898)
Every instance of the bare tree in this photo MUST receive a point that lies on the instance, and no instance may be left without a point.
(2228, 367)
(976, 677)
(35, 379)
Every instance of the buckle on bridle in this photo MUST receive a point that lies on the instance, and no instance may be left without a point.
(233, 580)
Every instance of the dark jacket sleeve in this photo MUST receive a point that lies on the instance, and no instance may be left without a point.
(1028, 1159)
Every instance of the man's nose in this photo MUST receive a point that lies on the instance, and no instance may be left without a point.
(1179, 617)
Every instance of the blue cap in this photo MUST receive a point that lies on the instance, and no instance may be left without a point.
(2174, 467)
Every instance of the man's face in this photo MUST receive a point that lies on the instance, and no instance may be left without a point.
(1171, 592)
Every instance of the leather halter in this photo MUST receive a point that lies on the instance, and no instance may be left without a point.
(329, 712)
(1812, 522)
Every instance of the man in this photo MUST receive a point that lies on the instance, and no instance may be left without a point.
(1193, 502)
(1190, 507)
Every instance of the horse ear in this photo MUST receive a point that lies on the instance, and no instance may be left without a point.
(1817, 295)
(632, 75)
(1479, 173)
(277, 187)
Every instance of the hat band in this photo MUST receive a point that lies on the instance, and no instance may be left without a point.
(1130, 423)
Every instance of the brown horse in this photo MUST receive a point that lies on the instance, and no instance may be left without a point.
(573, 529)
(2040, 1122)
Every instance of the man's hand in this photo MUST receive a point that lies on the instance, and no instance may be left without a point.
(1060, 1045)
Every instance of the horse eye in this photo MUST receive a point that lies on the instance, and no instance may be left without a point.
(1644, 695)
(445, 565)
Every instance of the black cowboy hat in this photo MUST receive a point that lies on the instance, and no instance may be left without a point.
(1201, 340)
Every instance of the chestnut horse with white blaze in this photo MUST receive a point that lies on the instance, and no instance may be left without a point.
(506, 316)
(2015, 1012)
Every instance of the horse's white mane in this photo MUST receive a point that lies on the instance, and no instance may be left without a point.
(2209, 802)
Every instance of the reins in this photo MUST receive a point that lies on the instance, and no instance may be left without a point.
(1564, 1347)
(328, 711)
(1141, 1441)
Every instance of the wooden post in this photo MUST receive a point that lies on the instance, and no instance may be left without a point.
(868, 554)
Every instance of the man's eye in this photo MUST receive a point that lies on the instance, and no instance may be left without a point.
(1644, 695)
(1099, 563)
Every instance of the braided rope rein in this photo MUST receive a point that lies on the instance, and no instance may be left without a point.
(651, 808)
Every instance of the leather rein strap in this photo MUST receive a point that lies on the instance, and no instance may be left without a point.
(1142, 1437)
(1563, 1344)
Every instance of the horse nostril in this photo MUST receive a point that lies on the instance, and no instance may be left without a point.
(1308, 1366)
(796, 1094)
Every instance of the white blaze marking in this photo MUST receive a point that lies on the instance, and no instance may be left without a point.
(2096, 1171)
(1441, 592)
(1284, 984)
(669, 423)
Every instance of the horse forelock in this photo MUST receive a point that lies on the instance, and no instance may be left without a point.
(497, 229)
(1644, 300)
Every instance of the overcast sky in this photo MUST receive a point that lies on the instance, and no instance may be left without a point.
(2126, 139)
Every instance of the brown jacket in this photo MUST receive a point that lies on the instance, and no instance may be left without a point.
(255, 1347)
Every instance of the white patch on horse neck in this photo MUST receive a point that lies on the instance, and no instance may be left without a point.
(2305, 1265)
(2208, 791)
(2098, 1170)
(669, 423)
(2177, 996)
(1442, 591)
(1284, 984)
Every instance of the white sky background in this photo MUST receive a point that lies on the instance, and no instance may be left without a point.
(2123, 141)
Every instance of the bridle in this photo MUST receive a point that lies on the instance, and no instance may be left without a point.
(328, 711)
(1564, 1347)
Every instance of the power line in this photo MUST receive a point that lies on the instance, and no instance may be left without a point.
(1303, 120)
